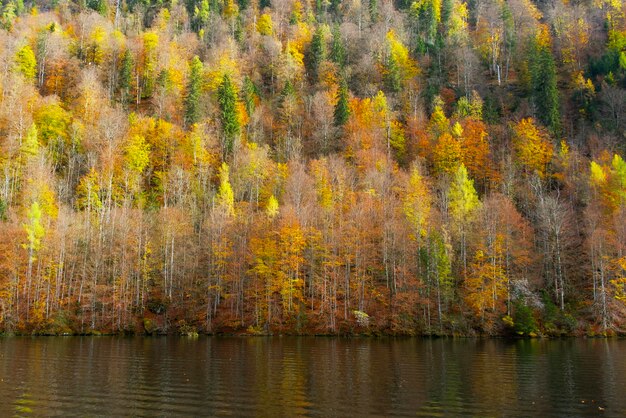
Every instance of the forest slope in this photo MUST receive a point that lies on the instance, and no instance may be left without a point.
(427, 167)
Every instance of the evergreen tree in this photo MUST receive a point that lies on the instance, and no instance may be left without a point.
(250, 95)
(192, 97)
(545, 93)
(227, 99)
(425, 17)
(342, 111)
(3, 210)
(392, 77)
(337, 49)
(126, 77)
(316, 54)
(373, 9)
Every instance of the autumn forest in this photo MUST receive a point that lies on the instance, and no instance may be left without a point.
(429, 167)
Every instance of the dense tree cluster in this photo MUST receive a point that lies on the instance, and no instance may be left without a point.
(410, 167)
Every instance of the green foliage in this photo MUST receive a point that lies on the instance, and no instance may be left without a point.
(100, 6)
(337, 49)
(9, 13)
(545, 92)
(472, 108)
(201, 16)
(373, 10)
(125, 82)
(342, 110)
(3, 210)
(227, 99)
(194, 89)
(556, 321)
(316, 53)
(425, 16)
(250, 95)
(391, 76)
(524, 322)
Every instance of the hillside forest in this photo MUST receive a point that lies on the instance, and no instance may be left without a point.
(429, 167)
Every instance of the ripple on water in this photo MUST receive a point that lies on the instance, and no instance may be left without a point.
(321, 377)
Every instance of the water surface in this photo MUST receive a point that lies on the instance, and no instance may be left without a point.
(308, 376)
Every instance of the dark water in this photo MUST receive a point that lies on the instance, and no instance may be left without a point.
(291, 376)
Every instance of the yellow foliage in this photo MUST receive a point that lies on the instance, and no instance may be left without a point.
(272, 207)
(137, 154)
(322, 184)
(226, 65)
(408, 66)
(302, 36)
(446, 154)
(264, 25)
(26, 62)
(543, 37)
(438, 123)
(225, 196)
(486, 284)
(48, 201)
(97, 41)
(416, 204)
(231, 9)
(533, 148)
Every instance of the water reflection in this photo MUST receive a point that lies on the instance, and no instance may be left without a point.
(289, 376)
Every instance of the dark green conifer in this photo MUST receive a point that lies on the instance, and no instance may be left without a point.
(227, 100)
(545, 93)
(126, 77)
(316, 54)
(192, 96)
(342, 111)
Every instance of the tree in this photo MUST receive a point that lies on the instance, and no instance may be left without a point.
(229, 116)
(34, 233)
(463, 205)
(126, 77)
(342, 110)
(544, 82)
(225, 196)
(533, 149)
(426, 17)
(316, 53)
(391, 75)
(486, 286)
(194, 88)
(400, 68)
(30, 146)
(26, 62)
(337, 48)
(264, 25)
(416, 204)
(150, 44)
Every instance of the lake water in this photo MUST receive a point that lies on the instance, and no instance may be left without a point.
(309, 376)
